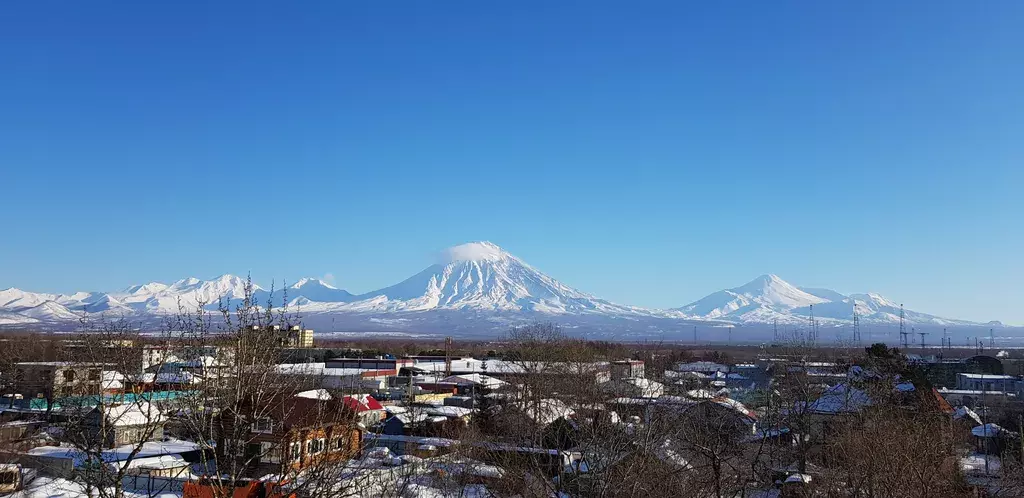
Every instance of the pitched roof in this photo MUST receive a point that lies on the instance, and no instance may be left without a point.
(475, 378)
(362, 403)
(130, 414)
(841, 398)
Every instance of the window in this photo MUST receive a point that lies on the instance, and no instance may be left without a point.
(127, 436)
(69, 376)
(339, 444)
(295, 450)
(316, 446)
(94, 375)
(270, 453)
(263, 425)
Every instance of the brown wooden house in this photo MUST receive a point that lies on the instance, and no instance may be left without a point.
(291, 434)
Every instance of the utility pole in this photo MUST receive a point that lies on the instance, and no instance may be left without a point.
(730, 335)
(922, 334)
(775, 330)
(694, 335)
(991, 339)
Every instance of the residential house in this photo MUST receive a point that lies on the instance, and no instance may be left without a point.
(292, 433)
(634, 388)
(57, 379)
(627, 369)
(368, 410)
(403, 422)
(474, 381)
(128, 423)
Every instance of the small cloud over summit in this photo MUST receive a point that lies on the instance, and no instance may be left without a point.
(328, 277)
(473, 251)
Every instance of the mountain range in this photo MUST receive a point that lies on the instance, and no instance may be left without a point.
(475, 287)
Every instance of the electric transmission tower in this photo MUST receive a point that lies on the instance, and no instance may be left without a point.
(903, 330)
(856, 325)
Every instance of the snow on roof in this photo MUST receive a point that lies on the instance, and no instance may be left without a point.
(544, 411)
(320, 369)
(157, 462)
(977, 464)
(672, 374)
(434, 441)
(736, 405)
(409, 417)
(130, 414)
(701, 366)
(320, 394)
(646, 388)
(966, 413)
(986, 376)
(448, 411)
(841, 398)
(989, 430)
(475, 379)
(149, 449)
(700, 394)
(801, 478)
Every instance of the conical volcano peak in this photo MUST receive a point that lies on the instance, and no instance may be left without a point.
(475, 251)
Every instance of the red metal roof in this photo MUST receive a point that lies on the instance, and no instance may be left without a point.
(362, 403)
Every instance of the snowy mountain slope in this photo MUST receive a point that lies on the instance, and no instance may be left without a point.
(10, 318)
(50, 311)
(308, 290)
(161, 298)
(761, 296)
(768, 298)
(16, 298)
(474, 284)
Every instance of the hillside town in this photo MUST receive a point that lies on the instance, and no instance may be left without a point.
(252, 406)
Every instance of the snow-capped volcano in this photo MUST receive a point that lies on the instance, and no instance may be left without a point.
(768, 298)
(767, 292)
(483, 276)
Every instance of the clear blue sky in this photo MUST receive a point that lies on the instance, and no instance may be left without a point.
(648, 154)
